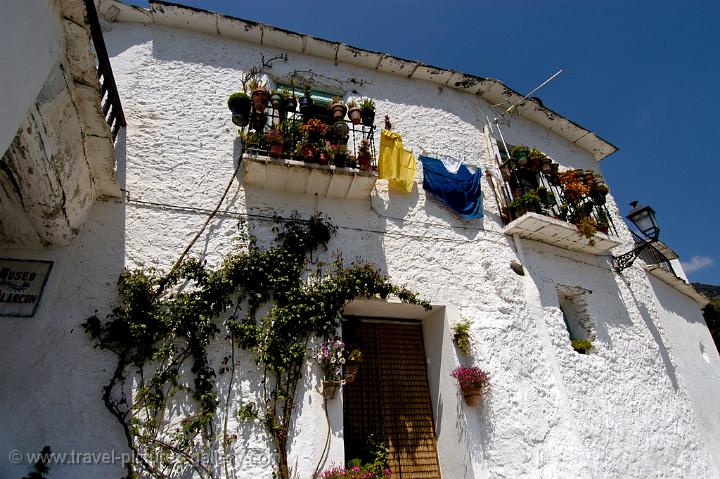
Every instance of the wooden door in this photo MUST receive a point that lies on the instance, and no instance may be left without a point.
(390, 398)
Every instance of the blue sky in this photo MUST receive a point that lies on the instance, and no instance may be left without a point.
(642, 74)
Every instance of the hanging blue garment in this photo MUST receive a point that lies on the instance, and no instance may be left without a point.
(460, 190)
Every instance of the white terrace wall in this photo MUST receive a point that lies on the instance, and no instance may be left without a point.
(30, 45)
(631, 409)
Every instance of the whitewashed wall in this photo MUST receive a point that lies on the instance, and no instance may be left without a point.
(625, 411)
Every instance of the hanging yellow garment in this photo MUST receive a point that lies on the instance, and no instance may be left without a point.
(396, 163)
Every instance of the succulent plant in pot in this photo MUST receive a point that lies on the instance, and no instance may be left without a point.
(354, 112)
(367, 112)
(338, 108)
(239, 104)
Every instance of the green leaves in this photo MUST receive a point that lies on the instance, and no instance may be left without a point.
(164, 323)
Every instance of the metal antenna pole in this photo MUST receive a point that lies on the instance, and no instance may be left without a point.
(528, 95)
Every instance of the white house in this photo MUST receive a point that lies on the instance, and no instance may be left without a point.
(81, 200)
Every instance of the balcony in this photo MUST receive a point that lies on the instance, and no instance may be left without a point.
(566, 209)
(309, 152)
(61, 155)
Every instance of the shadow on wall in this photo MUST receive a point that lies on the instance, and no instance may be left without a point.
(662, 348)
(52, 376)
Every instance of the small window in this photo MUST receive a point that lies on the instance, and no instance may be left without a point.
(573, 304)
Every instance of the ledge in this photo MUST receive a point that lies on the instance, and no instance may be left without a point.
(307, 178)
(669, 278)
(559, 233)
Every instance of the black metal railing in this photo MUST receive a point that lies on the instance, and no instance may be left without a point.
(109, 97)
(529, 190)
(653, 256)
(291, 123)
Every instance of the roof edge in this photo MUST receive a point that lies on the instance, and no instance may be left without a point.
(491, 90)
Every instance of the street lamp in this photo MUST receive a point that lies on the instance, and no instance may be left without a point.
(643, 217)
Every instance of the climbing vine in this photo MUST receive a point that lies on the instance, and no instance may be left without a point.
(165, 324)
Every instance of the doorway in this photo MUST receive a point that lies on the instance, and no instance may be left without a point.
(390, 398)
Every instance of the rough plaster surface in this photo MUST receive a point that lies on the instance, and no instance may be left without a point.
(632, 408)
(60, 158)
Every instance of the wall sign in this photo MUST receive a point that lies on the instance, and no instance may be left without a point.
(21, 286)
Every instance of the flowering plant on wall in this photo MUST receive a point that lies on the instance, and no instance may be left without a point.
(331, 357)
(354, 472)
(473, 382)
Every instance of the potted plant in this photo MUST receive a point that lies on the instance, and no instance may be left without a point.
(331, 357)
(354, 112)
(277, 99)
(340, 155)
(603, 223)
(367, 112)
(574, 189)
(461, 336)
(276, 138)
(587, 227)
(250, 140)
(582, 346)
(323, 153)
(291, 104)
(473, 383)
(305, 151)
(528, 202)
(239, 104)
(364, 157)
(338, 108)
(260, 96)
(352, 365)
(520, 153)
(535, 159)
(314, 129)
(340, 132)
(259, 120)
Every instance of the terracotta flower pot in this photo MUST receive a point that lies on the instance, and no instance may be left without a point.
(355, 115)
(276, 150)
(330, 389)
(260, 98)
(364, 161)
(351, 371)
(308, 154)
(472, 396)
(338, 111)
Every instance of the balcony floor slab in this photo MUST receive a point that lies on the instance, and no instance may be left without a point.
(307, 178)
(559, 233)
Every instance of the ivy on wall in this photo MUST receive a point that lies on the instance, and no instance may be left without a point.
(165, 325)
